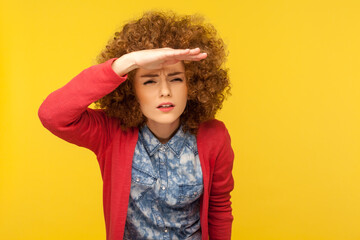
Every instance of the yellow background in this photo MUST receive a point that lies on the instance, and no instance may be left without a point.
(293, 117)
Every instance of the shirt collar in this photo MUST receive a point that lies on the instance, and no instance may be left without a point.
(152, 144)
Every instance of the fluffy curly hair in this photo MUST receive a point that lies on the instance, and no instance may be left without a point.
(207, 80)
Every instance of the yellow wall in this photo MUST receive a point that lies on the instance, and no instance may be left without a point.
(293, 117)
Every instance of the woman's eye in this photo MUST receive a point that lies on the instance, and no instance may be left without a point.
(149, 81)
(177, 80)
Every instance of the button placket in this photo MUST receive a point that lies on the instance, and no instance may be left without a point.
(163, 172)
(157, 214)
(166, 234)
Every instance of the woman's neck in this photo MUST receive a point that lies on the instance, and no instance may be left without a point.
(163, 132)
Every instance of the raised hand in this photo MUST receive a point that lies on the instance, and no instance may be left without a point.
(155, 58)
(158, 58)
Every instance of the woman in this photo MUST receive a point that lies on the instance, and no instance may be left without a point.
(166, 163)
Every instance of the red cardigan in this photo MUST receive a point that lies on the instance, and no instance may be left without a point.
(66, 114)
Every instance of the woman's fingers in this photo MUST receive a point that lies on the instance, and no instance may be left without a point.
(197, 57)
(156, 58)
(186, 54)
(194, 51)
(177, 52)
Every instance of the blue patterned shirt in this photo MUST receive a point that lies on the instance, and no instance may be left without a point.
(166, 185)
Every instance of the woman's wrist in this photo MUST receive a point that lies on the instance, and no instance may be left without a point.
(124, 64)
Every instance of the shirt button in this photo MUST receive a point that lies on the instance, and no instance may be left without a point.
(165, 230)
(137, 179)
(163, 187)
(159, 218)
(162, 149)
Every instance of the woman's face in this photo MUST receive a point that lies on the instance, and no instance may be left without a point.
(162, 93)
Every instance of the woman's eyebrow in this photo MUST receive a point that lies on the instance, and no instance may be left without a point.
(174, 73)
(156, 75)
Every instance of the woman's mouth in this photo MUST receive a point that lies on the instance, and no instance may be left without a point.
(165, 107)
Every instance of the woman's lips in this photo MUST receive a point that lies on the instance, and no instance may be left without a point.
(166, 106)
(166, 109)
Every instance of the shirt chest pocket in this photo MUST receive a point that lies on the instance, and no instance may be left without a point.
(189, 193)
(141, 184)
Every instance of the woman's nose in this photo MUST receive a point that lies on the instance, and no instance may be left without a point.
(164, 88)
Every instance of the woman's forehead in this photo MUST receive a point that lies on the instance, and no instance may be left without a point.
(167, 70)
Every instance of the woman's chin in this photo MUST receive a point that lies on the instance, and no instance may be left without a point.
(164, 121)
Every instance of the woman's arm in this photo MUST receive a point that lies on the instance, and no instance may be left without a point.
(65, 112)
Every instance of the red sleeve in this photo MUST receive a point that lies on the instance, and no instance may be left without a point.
(220, 211)
(66, 114)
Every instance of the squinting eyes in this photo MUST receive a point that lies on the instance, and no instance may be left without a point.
(172, 80)
(177, 79)
(150, 81)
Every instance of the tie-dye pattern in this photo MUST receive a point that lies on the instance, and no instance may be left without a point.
(166, 187)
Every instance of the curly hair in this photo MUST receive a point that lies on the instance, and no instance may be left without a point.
(207, 80)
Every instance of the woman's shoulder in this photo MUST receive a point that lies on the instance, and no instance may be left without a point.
(213, 127)
(213, 124)
(213, 137)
